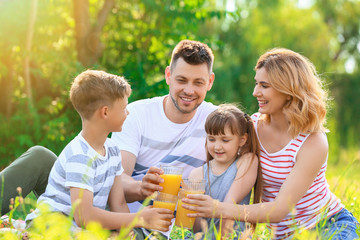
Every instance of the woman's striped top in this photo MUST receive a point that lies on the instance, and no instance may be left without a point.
(318, 201)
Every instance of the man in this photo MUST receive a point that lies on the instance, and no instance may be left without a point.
(169, 129)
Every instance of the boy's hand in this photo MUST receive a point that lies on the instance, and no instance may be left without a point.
(150, 182)
(156, 218)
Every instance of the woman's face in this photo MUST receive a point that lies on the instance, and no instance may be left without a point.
(270, 100)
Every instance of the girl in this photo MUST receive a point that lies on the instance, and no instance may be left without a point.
(232, 160)
(294, 150)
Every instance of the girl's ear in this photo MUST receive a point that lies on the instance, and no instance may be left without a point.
(243, 139)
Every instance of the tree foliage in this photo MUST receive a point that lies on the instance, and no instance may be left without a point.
(135, 39)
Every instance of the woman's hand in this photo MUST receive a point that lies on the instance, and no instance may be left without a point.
(150, 182)
(204, 206)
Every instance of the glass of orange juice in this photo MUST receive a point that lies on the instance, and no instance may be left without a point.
(189, 186)
(164, 200)
(172, 179)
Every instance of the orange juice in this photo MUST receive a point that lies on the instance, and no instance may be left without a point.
(168, 205)
(171, 184)
(182, 220)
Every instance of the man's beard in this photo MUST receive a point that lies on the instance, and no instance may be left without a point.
(182, 110)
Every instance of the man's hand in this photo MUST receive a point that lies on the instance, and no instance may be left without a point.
(150, 182)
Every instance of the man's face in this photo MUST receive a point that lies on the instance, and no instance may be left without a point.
(188, 85)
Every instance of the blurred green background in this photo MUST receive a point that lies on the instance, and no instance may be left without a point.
(45, 44)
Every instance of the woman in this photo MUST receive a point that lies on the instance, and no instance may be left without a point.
(294, 150)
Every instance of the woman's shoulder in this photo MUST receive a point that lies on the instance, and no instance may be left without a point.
(315, 147)
(316, 140)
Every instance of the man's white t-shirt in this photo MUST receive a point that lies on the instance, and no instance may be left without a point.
(154, 139)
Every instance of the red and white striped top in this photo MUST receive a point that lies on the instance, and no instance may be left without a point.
(318, 201)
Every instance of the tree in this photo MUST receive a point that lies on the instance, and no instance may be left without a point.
(88, 43)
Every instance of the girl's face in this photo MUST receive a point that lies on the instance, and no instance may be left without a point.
(270, 100)
(224, 148)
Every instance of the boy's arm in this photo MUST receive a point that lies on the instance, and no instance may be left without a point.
(116, 199)
(85, 212)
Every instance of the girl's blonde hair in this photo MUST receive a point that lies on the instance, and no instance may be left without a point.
(294, 75)
(239, 123)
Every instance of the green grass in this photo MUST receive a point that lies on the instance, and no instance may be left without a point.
(343, 178)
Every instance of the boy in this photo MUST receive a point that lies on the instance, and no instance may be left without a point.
(88, 170)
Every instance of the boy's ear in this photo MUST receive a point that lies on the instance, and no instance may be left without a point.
(103, 111)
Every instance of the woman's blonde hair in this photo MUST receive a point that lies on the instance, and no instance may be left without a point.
(294, 75)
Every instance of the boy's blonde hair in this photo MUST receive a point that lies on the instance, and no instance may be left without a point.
(294, 75)
(93, 89)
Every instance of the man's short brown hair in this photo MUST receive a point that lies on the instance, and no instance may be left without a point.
(93, 89)
(193, 52)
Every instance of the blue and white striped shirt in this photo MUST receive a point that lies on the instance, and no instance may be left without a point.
(80, 166)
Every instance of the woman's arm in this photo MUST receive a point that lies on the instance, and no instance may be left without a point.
(309, 161)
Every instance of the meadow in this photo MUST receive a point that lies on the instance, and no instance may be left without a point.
(343, 180)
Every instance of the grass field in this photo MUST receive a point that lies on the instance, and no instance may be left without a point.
(344, 181)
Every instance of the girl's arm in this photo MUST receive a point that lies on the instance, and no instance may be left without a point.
(309, 161)
(244, 180)
(243, 183)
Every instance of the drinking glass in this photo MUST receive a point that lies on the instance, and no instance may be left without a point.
(188, 186)
(172, 179)
(164, 200)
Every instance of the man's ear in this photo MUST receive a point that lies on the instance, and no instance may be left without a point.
(211, 81)
(167, 75)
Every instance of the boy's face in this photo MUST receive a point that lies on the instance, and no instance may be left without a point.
(117, 114)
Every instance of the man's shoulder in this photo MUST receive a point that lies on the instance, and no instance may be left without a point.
(146, 102)
(207, 107)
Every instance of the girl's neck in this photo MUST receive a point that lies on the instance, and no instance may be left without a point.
(218, 168)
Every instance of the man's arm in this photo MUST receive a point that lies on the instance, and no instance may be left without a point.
(138, 190)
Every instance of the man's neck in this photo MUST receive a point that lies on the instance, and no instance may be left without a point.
(173, 114)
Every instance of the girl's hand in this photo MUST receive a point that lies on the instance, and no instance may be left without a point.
(204, 206)
(155, 218)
